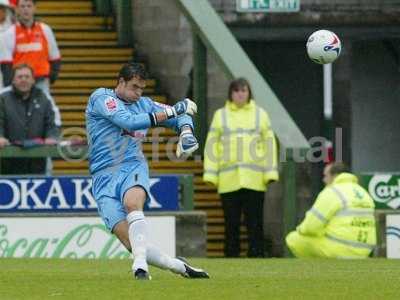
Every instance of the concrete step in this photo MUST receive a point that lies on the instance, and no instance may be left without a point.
(85, 36)
(207, 204)
(68, 11)
(97, 58)
(219, 237)
(81, 100)
(199, 196)
(220, 229)
(220, 246)
(95, 52)
(88, 90)
(205, 188)
(84, 75)
(92, 83)
(84, 43)
(80, 20)
(58, 5)
(91, 67)
(214, 212)
(66, 27)
(215, 220)
(64, 7)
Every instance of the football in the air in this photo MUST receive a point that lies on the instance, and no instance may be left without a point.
(323, 47)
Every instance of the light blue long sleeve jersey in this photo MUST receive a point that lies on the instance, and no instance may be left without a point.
(116, 128)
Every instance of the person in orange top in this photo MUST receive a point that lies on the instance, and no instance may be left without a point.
(33, 43)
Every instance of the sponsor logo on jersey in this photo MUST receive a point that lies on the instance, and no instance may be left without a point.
(28, 47)
(111, 104)
(134, 134)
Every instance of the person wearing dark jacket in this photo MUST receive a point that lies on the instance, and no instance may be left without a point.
(31, 42)
(25, 114)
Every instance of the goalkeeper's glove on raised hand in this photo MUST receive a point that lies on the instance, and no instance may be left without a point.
(186, 106)
(187, 144)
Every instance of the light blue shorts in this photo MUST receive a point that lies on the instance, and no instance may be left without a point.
(109, 188)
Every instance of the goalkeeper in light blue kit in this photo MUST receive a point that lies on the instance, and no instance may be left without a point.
(116, 120)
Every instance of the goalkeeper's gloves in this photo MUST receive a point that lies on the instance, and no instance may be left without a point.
(187, 144)
(186, 106)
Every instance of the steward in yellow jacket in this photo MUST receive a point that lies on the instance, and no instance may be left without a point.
(341, 223)
(241, 149)
(240, 159)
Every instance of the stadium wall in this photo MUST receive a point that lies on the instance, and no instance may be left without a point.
(163, 36)
(375, 95)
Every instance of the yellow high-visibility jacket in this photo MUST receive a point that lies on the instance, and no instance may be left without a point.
(240, 150)
(342, 213)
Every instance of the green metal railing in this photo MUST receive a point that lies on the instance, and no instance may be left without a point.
(186, 192)
(41, 151)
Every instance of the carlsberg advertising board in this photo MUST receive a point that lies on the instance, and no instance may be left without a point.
(75, 237)
(384, 189)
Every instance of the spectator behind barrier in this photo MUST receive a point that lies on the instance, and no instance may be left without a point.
(32, 42)
(26, 119)
(240, 158)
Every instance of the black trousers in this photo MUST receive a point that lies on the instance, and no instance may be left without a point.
(251, 203)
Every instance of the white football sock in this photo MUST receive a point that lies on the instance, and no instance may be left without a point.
(138, 239)
(161, 260)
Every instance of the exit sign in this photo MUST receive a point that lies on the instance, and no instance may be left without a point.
(268, 6)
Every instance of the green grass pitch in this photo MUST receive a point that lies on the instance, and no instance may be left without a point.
(230, 279)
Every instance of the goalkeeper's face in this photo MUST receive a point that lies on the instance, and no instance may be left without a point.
(131, 90)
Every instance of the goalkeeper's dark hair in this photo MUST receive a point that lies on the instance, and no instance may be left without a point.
(131, 70)
(337, 168)
(237, 84)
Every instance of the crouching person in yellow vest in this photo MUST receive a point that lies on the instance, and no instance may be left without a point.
(341, 223)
